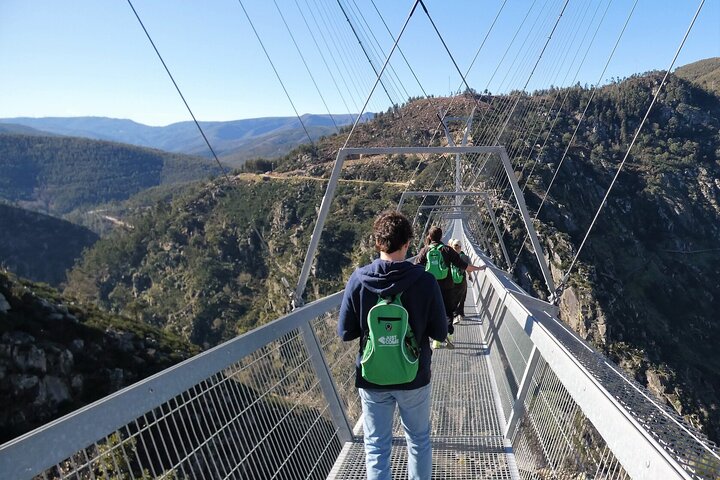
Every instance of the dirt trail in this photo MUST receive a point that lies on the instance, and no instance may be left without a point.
(275, 176)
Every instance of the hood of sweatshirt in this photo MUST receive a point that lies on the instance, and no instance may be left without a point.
(387, 278)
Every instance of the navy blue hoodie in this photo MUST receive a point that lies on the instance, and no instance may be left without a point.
(421, 298)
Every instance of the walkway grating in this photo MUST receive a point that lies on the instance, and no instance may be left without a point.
(466, 432)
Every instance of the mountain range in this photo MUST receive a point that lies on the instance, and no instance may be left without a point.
(235, 141)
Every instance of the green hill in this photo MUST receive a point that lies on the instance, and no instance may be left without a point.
(215, 262)
(705, 73)
(39, 247)
(56, 175)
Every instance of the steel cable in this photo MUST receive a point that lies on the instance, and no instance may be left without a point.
(302, 57)
(282, 84)
(167, 70)
(632, 143)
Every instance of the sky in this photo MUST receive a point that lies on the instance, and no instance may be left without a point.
(92, 58)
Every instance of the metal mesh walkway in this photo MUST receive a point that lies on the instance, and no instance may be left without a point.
(466, 431)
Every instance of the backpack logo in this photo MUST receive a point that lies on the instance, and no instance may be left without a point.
(389, 340)
(389, 359)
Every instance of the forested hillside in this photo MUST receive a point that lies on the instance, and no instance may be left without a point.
(39, 247)
(220, 261)
(56, 175)
(224, 258)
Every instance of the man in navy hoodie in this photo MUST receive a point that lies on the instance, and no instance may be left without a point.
(387, 276)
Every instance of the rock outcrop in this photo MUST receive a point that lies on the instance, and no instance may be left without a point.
(57, 355)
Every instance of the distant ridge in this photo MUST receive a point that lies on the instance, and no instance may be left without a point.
(22, 130)
(235, 140)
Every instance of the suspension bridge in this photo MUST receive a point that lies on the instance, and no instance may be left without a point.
(522, 396)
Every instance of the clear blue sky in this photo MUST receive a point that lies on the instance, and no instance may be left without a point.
(90, 57)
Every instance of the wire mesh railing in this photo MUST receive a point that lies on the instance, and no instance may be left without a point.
(262, 406)
(566, 406)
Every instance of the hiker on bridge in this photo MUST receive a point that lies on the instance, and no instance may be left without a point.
(460, 278)
(436, 258)
(393, 307)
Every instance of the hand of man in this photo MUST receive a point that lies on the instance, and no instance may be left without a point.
(473, 268)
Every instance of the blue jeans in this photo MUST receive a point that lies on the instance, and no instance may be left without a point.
(378, 408)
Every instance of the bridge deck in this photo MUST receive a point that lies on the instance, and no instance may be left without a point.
(466, 434)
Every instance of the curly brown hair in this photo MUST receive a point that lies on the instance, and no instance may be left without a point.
(391, 230)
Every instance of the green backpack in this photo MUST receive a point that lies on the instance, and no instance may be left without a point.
(457, 274)
(436, 263)
(390, 355)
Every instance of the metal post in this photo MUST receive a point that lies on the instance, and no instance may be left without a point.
(528, 221)
(317, 231)
(319, 363)
(458, 169)
(497, 231)
(518, 408)
(400, 203)
(451, 142)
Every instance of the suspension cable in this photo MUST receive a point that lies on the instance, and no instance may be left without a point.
(582, 117)
(345, 51)
(452, 100)
(197, 124)
(302, 57)
(527, 181)
(377, 80)
(487, 111)
(399, 49)
(267, 55)
(377, 49)
(632, 143)
(527, 126)
(362, 47)
(330, 52)
(482, 44)
(322, 56)
(452, 58)
(519, 96)
(567, 94)
(577, 127)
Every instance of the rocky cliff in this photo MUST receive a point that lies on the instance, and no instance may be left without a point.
(57, 355)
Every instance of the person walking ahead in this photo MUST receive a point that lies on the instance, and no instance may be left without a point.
(437, 258)
(392, 280)
(460, 280)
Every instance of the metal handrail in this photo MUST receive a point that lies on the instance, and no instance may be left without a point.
(34, 452)
(648, 439)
